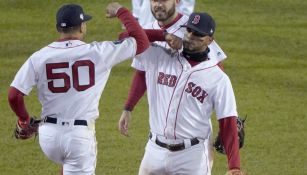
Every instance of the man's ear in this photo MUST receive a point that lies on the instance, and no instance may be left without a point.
(209, 39)
(83, 28)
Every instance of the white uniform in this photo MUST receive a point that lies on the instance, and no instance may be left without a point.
(141, 10)
(70, 77)
(181, 100)
(215, 53)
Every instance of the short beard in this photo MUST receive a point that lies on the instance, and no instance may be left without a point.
(169, 14)
(186, 48)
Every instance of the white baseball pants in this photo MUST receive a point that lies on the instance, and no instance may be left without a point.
(72, 146)
(160, 161)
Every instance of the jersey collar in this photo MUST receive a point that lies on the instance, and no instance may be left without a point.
(66, 43)
(200, 65)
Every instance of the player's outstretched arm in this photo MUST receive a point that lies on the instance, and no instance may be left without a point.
(112, 9)
(159, 35)
(132, 26)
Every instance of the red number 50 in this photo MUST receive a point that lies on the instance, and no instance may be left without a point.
(75, 76)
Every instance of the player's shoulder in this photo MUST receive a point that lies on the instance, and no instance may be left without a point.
(156, 52)
(184, 18)
(39, 53)
(102, 44)
(216, 76)
(161, 50)
(181, 21)
(221, 74)
(212, 68)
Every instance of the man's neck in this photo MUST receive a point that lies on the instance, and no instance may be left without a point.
(169, 20)
(197, 57)
(74, 36)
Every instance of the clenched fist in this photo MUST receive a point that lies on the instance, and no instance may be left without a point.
(112, 9)
(173, 41)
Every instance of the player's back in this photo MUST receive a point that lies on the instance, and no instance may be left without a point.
(71, 75)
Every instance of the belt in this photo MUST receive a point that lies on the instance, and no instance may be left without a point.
(54, 121)
(174, 147)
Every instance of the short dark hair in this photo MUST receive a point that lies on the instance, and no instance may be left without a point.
(68, 29)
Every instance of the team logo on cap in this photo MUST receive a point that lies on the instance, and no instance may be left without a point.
(196, 19)
(63, 24)
(81, 16)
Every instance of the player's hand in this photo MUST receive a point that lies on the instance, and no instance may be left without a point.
(112, 9)
(173, 41)
(25, 129)
(235, 172)
(123, 123)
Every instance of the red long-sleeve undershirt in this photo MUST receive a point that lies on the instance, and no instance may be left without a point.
(16, 101)
(229, 136)
(137, 90)
(152, 34)
(134, 29)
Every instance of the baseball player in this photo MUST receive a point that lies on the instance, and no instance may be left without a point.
(183, 90)
(142, 11)
(169, 19)
(70, 76)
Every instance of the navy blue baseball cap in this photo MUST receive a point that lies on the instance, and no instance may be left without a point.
(202, 23)
(71, 15)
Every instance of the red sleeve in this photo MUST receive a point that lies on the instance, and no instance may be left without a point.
(15, 98)
(137, 90)
(221, 66)
(134, 29)
(123, 35)
(229, 135)
(153, 35)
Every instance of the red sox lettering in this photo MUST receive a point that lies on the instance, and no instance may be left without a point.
(167, 79)
(170, 80)
(196, 92)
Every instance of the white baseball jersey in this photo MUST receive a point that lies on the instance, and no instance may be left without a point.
(71, 75)
(141, 10)
(175, 28)
(181, 98)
